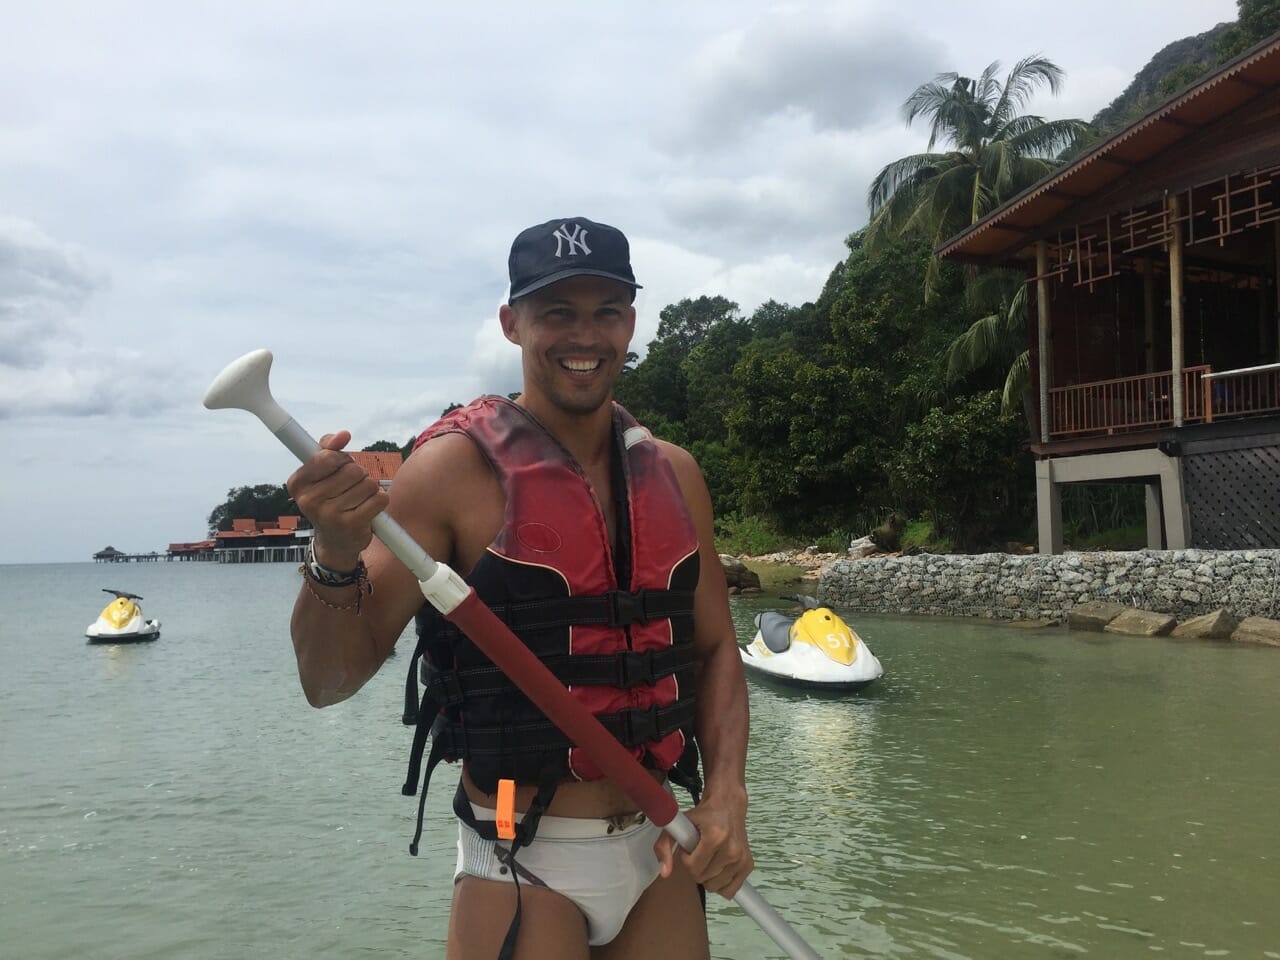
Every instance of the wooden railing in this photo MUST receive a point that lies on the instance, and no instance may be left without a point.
(1126, 403)
(1238, 393)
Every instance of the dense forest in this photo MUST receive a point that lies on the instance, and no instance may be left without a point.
(817, 421)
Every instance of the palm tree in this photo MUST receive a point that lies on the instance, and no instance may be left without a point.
(996, 153)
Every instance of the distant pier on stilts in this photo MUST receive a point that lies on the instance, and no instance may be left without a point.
(282, 540)
(112, 555)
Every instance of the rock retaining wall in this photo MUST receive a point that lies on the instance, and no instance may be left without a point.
(1182, 583)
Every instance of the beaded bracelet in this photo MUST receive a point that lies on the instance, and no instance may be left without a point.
(328, 577)
(359, 579)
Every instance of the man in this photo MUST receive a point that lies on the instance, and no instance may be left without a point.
(594, 541)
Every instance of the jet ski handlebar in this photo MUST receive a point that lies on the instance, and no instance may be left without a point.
(121, 593)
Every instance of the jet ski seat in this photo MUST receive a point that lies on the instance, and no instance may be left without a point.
(775, 630)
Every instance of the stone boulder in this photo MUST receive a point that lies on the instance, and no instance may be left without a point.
(1258, 630)
(1094, 615)
(736, 574)
(862, 547)
(1218, 625)
(1141, 623)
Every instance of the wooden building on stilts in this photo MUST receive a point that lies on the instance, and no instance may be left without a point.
(1154, 312)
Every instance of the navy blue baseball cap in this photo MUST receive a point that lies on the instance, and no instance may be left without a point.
(571, 247)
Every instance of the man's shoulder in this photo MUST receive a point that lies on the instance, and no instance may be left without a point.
(458, 418)
(677, 454)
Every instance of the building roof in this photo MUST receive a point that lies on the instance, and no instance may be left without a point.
(190, 547)
(380, 465)
(1253, 73)
(242, 528)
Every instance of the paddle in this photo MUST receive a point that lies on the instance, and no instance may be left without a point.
(244, 385)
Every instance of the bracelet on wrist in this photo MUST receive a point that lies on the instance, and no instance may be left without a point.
(327, 576)
(314, 572)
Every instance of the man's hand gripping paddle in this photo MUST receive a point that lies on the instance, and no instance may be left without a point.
(244, 385)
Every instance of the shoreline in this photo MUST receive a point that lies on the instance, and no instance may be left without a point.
(1222, 594)
(1177, 584)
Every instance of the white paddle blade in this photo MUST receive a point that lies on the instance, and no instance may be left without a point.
(245, 384)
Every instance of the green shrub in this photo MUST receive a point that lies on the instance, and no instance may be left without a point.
(921, 535)
(837, 542)
(748, 536)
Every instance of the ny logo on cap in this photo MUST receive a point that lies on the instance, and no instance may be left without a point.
(577, 240)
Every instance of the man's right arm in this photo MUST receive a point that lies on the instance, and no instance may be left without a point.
(339, 646)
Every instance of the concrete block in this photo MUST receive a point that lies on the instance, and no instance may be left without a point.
(1258, 630)
(1094, 615)
(1218, 625)
(1141, 623)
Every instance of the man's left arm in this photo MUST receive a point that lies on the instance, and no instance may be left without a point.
(722, 859)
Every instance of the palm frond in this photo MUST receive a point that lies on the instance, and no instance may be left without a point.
(1021, 83)
(997, 168)
(982, 345)
(955, 192)
(992, 290)
(934, 102)
(955, 115)
(1016, 383)
(1048, 139)
(899, 173)
(988, 87)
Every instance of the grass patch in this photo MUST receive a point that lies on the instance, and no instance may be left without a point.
(748, 536)
(1131, 537)
(920, 535)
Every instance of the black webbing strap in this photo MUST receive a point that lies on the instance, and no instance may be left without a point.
(626, 669)
(411, 706)
(617, 608)
(436, 755)
(629, 727)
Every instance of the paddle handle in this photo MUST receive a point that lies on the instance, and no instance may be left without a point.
(406, 549)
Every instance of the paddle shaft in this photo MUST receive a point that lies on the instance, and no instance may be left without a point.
(499, 644)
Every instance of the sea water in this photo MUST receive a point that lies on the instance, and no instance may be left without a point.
(999, 793)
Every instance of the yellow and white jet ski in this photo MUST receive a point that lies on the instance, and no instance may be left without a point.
(816, 649)
(121, 621)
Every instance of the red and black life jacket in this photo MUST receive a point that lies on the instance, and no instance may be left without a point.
(615, 626)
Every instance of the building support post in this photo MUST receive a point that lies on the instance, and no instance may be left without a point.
(1176, 287)
(1276, 304)
(1042, 327)
(1048, 509)
(1149, 312)
(1155, 520)
(1177, 534)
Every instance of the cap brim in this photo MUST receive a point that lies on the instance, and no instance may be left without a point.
(529, 288)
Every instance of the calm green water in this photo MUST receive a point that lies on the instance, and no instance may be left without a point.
(999, 793)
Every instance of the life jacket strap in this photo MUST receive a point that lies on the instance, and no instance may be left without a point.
(433, 760)
(616, 608)
(632, 728)
(625, 669)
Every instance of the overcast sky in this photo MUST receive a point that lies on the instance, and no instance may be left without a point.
(181, 183)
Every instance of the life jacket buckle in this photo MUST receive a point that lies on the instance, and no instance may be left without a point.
(626, 607)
